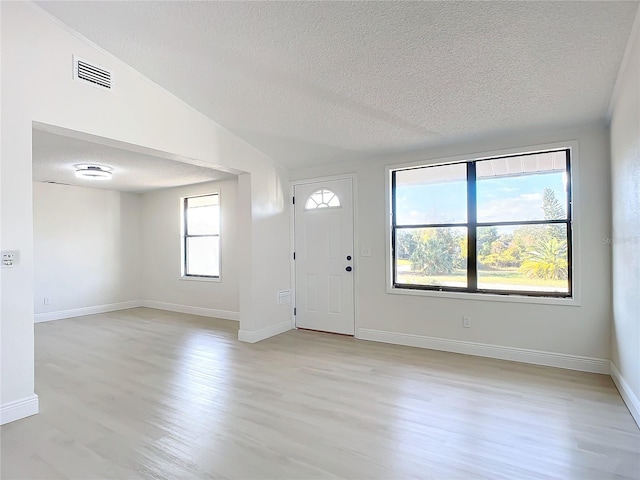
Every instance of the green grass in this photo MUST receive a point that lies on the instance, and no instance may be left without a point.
(498, 277)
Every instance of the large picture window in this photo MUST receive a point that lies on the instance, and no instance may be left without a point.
(499, 225)
(201, 236)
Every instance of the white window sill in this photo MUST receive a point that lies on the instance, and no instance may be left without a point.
(202, 279)
(487, 297)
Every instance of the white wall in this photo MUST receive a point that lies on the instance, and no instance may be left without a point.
(625, 174)
(37, 87)
(161, 266)
(566, 330)
(99, 248)
(86, 247)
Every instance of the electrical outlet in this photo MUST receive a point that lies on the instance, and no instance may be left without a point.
(47, 301)
(466, 322)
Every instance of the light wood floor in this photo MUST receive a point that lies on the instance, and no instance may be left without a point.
(149, 394)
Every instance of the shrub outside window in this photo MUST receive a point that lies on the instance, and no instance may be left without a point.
(500, 225)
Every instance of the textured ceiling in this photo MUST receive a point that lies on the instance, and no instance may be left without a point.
(55, 157)
(309, 82)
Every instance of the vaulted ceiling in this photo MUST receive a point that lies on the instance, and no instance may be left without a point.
(313, 82)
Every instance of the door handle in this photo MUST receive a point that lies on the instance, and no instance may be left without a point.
(348, 269)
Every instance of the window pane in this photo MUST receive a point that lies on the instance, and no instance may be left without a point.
(203, 219)
(431, 256)
(203, 201)
(530, 187)
(322, 199)
(431, 195)
(203, 256)
(523, 258)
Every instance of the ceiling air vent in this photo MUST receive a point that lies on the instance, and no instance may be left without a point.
(92, 74)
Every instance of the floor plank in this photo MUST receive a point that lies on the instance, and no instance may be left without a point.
(149, 394)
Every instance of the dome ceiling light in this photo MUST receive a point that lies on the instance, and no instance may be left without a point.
(93, 172)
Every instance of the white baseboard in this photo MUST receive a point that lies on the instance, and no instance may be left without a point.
(81, 312)
(25, 407)
(204, 312)
(112, 307)
(256, 336)
(631, 400)
(536, 357)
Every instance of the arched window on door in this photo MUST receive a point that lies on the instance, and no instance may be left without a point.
(322, 198)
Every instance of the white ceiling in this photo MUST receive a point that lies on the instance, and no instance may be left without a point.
(55, 157)
(309, 82)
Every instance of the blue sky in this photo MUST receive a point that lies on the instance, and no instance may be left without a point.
(499, 199)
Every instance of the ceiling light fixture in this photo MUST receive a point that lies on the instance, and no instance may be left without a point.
(93, 172)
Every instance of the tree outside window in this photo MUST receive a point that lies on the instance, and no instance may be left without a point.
(499, 225)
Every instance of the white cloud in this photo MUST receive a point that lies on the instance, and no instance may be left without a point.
(522, 208)
(531, 196)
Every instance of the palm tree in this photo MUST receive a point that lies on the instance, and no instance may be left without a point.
(436, 251)
(547, 260)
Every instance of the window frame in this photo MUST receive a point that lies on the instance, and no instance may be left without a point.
(184, 236)
(572, 298)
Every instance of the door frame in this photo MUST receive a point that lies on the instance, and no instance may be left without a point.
(356, 251)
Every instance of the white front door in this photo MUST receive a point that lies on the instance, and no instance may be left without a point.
(324, 256)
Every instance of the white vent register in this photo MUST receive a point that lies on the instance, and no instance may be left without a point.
(284, 296)
(92, 74)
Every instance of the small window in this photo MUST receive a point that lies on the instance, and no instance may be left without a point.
(322, 199)
(201, 236)
(500, 225)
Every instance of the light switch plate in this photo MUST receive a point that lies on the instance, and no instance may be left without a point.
(9, 258)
